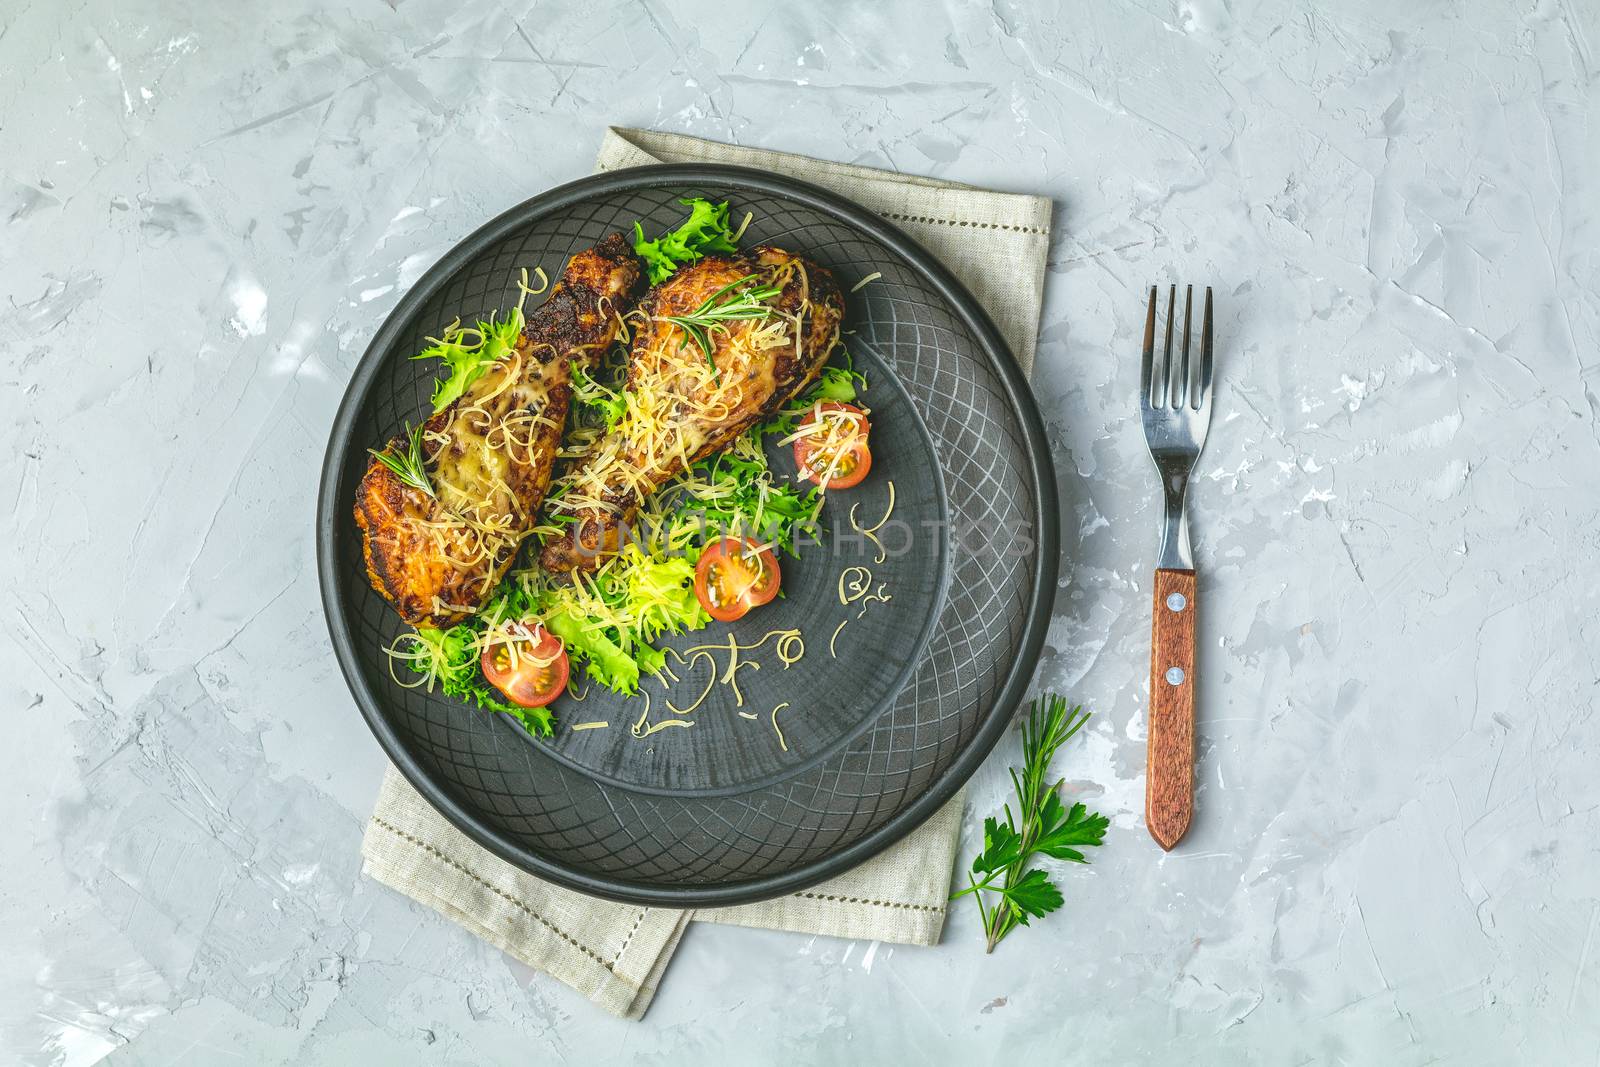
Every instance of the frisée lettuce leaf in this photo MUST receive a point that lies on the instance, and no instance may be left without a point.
(705, 231)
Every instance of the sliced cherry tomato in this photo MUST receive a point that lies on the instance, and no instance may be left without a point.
(829, 442)
(535, 675)
(734, 576)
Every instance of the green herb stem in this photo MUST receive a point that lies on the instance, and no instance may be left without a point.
(409, 466)
(719, 309)
(1041, 826)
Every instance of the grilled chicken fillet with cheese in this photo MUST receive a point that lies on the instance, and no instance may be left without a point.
(488, 456)
(684, 404)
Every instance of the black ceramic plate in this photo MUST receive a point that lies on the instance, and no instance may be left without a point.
(755, 799)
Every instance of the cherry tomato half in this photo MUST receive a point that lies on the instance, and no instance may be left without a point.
(734, 576)
(535, 675)
(833, 437)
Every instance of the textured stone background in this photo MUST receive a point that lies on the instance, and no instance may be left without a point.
(206, 209)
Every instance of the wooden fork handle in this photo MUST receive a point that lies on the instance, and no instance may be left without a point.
(1169, 776)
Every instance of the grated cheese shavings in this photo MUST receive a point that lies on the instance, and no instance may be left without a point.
(778, 729)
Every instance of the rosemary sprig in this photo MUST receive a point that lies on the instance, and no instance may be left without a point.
(1045, 827)
(722, 307)
(408, 466)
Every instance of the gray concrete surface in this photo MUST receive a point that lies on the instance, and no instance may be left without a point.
(206, 209)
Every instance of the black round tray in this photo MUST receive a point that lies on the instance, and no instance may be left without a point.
(881, 735)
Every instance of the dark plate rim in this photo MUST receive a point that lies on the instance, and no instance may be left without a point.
(1046, 548)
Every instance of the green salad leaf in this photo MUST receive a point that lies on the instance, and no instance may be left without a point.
(608, 405)
(450, 657)
(705, 231)
(736, 495)
(468, 351)
(834, 383)
(609, 619)
(608, 664)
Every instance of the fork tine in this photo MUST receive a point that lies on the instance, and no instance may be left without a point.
(1169, 385)
(1148, 357)
(1185, 388)
(1205, 354)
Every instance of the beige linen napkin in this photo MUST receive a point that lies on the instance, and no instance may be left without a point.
(614, 954)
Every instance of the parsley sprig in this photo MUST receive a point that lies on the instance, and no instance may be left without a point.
(722, 307)
(1043, 825)
(409, 466)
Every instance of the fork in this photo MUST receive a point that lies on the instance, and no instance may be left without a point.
(1175, 407)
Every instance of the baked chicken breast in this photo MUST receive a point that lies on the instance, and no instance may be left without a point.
(488, 456)
(684, 402)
